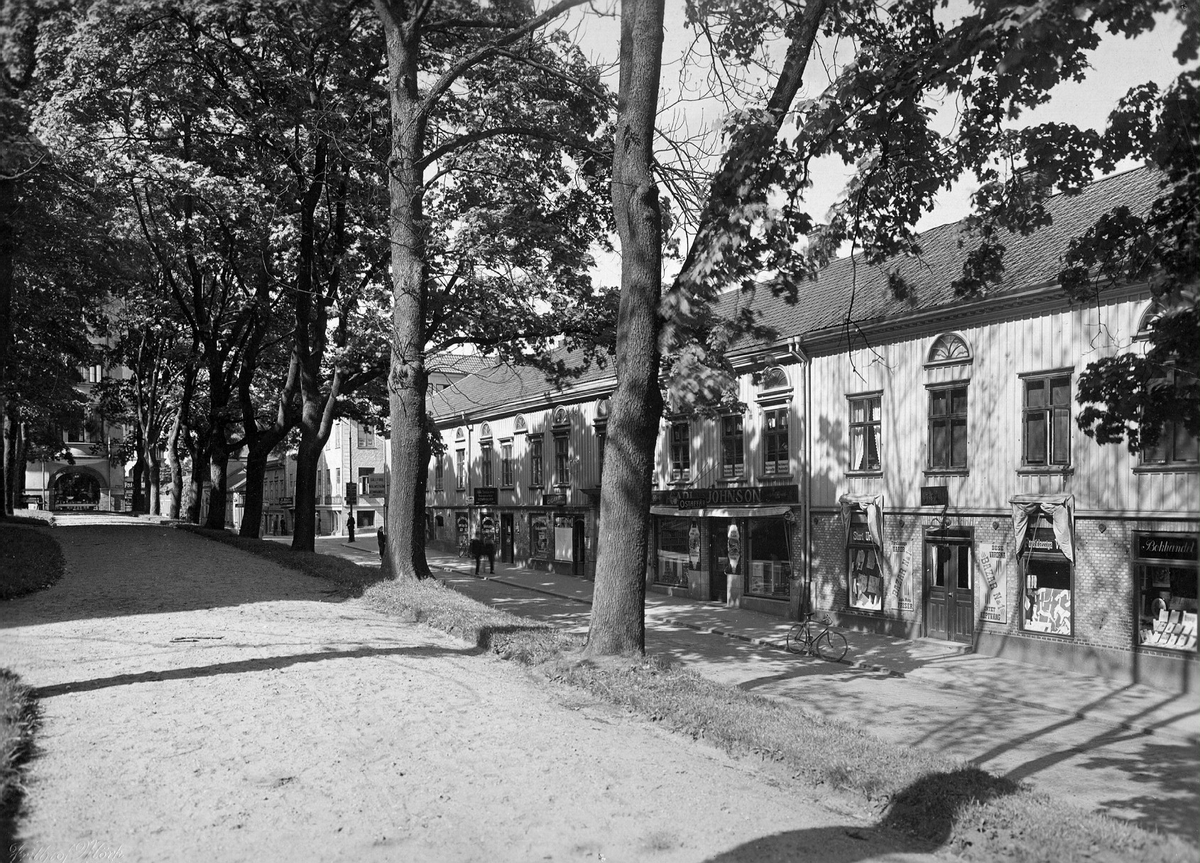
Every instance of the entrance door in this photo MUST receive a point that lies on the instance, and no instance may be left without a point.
(506, 537)
(578, 548)
(725, 556)
(949, 593)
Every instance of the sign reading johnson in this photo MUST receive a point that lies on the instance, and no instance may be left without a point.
(738, 495)
(1166, 546)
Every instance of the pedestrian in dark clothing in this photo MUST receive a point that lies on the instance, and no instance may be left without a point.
(477, 549)
(489, 548)
(381, 538)
(350, 527)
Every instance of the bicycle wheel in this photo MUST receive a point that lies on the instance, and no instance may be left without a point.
(831, 645)
(794, 643)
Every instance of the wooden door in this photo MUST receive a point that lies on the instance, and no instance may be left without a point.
(506, 538)
(949, 589)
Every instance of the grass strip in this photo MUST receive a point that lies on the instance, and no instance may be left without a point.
(30, 560)
(18, 721)
(961, 808)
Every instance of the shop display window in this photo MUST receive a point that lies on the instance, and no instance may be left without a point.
(1167, 607)
(770, 567)
(864, 576)
(1048, 596)
(672, 566)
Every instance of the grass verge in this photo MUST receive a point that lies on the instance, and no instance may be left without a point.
(968, 811)
(30, 560)
(18, 720)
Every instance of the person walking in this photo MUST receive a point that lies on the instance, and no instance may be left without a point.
(477, 549)
(489, 548)
(381, 538)
(350, 527)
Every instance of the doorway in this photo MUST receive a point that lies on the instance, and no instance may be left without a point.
(506, 537)
(725, 556)
(578, 548)
(949, 588)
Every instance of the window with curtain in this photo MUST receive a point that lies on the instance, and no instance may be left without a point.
(865, 425)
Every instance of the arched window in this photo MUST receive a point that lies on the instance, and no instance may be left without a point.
(774, 378)
(519, 424)
(949, 348)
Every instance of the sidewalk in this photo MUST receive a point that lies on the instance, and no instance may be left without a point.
(1129, 750)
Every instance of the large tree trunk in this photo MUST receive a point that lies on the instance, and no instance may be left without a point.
(8, 203)
(304, 532)
(407, 380)
(618, 618)
(218, 493)
(9, 445)
(173, 463)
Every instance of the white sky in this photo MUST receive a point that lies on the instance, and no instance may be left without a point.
(1117, 65)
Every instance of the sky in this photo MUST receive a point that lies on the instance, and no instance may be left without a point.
(1117, 65)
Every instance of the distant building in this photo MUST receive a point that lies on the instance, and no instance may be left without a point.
(917, 472)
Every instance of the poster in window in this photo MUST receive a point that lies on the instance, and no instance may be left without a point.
(539, 529)
(694, 545)
(1047, 598)
(904, 583)
(991, 561)
(866, 585)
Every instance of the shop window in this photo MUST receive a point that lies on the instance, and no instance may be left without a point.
(1175, 445)
(562, 460)
(865, 422)
(366, 518)
(864, 576)
(770, 567)
(536, 470)
(1166, 580)
(506, 463)
(1046, 420)
(948, 428)
(1048, 595)
(681, 451)
(460, 464)
(673, 557)
(775, 442)
(485, 464)
(733, 447)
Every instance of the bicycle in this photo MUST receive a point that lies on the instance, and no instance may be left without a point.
(828, 643)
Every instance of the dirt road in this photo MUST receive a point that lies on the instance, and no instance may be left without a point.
(200, 704)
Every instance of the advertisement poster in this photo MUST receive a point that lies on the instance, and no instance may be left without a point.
(903, 586)
(991, 561)
(539, 528)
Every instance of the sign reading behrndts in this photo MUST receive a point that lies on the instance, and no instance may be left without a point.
(740, 495)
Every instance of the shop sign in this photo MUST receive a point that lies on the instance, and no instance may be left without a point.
(1166, 546)
(376, 484)
(991, 561)
(698, 498)
(554, 498)
(487, 496)
(935, 495)
(286, 501)
(351, 496)
(1042, 539)
(860, 535)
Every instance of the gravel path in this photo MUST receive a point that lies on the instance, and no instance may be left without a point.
(201, 704)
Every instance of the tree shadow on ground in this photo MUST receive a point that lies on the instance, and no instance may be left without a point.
(241, 666)
(920, 820)
(131, 570)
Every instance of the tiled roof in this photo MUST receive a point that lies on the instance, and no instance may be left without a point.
(458, 364)
(850, 288)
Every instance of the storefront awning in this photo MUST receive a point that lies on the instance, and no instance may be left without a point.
(723, 511)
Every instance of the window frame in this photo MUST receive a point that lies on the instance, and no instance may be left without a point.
(1049, 412)
(771, 467)
(507, 475)
(867, 424)
(947, 420)
(486, 466)
(1170, 436)
(439, 473)
(562, 459)
(679, 463)
(460, 469)
(537, 461)
(733, 441)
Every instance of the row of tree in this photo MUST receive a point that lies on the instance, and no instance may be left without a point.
(280, 211)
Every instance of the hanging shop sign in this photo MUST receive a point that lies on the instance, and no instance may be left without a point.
(554, 498)
(487, 496)
(286, 501)
(935, 495)
(376, 484)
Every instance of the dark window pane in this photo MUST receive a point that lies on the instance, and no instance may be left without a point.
(939, 449)
(958, 443)
(959, 399)
(1060, 391)
(937, 403)
(1035, 437)
(1061, 437)
(1035, 394)
(1185, 444)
